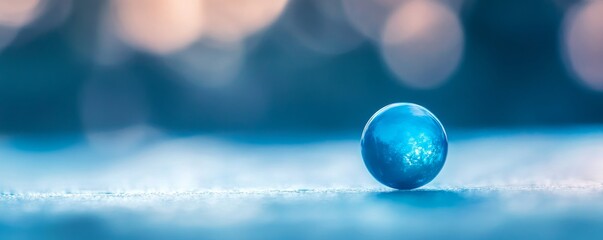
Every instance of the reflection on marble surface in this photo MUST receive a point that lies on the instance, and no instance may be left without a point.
(404, 146)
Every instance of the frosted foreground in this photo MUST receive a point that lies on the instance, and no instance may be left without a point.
(495, 184)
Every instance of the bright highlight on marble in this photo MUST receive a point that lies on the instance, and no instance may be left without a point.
(404, 146)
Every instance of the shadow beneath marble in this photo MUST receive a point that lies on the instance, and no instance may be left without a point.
(427, 198)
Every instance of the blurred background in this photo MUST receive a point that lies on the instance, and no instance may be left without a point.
(155, 119)
(161, 66)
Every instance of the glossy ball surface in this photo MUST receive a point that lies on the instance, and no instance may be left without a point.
(404, 146)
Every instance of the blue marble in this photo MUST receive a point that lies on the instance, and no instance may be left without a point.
(404, 146)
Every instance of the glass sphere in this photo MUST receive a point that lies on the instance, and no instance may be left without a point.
(404, 146)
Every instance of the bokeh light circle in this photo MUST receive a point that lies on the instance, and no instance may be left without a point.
(321, 26)
(208, 65)
(7, 35)
(18, 13)
(159, 26)
(233, 20)
(583, 42)
(422, 43)
(369, 17)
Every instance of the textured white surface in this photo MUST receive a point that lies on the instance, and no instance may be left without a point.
(481, 159)
(495, 184)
